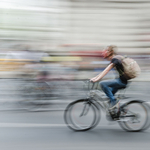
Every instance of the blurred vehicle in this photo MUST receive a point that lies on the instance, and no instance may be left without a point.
(9, 63)
(88, 52)
(13, 60)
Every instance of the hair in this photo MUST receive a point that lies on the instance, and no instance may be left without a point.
(112, 49)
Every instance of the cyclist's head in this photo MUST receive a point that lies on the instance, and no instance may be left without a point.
(109, 51)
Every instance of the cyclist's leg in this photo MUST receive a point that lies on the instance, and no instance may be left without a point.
(110, 87)
(105, 85)
(118, 87)
(114, 90)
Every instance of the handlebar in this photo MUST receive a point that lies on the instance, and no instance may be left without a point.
(88, 82)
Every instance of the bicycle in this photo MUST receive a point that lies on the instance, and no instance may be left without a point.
(84, 114)
(37, 96)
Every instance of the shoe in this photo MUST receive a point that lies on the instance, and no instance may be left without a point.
(115, 105)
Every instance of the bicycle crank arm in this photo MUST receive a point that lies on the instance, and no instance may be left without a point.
(127, 116)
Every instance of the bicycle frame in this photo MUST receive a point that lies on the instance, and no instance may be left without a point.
(95, 98)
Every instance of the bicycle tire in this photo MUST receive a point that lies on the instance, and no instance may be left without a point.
(137, 109)
(147, 124)
(73, 113)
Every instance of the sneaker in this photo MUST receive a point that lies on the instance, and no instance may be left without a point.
(115, 105)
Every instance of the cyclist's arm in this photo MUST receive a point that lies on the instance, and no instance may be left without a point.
(101, 75)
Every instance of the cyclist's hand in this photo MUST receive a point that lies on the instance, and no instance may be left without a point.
(93, 80)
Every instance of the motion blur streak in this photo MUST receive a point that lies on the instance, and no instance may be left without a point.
(73, 28)
(47, 49)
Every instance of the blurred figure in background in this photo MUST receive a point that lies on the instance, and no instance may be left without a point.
(43, 76)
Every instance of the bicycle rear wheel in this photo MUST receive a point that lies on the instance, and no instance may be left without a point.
(135, 116)
(82, 115)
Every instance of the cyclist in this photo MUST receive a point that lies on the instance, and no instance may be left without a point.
(110, 87)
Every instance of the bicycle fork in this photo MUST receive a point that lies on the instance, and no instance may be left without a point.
(85, 109)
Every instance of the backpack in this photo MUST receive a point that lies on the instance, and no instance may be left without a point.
(131, 67)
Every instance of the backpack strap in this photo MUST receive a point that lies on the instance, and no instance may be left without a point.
(121, 58)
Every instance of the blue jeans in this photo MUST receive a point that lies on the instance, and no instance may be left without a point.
(110, 87)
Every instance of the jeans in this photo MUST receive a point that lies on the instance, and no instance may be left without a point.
(110, 87)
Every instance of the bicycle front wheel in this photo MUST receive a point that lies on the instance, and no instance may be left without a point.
(135, 115)
(82, 115)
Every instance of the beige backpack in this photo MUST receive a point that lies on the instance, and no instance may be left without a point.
(131, 68)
